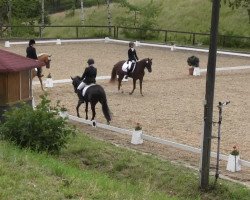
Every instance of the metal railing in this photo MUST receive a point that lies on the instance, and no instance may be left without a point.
(119, 32)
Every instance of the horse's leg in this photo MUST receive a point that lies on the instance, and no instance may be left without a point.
(86, 109)
(134, 86)
(93, 110)
(41, 82)
(141, 86)
(77, 107)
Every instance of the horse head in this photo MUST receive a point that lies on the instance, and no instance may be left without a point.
(148, 64)
(75, 82)
(46, 58)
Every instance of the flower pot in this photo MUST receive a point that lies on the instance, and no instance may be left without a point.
(49, 83)
(233, 164)
(137, 137)
(196, 71)
(191, 70)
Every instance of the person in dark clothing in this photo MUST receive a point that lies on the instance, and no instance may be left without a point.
(132, 56)
(89, 74)
(31, 53)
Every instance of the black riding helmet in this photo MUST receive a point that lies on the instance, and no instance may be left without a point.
(131, 44)
(90, 61)
(31, 42)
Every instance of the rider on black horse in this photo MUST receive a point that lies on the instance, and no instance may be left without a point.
(132, 56)
(89, 75)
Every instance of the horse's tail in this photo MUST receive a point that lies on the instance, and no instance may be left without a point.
(113, 74)
(106, 111)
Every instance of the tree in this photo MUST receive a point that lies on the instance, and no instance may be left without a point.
(239, 3)
(143, 16)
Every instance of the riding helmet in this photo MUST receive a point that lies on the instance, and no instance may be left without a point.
(91, 61)
(31, 42)
(131, 44)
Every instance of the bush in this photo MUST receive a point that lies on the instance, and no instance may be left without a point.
(40, 129)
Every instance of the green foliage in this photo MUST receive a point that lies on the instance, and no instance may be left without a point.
(239, 3)
(40, 129)
(141, 16)
(193, 61)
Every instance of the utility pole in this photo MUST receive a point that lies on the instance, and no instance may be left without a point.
(209, 97)
(82, 14)
(109, 16)
(9, 15)
(42, 2)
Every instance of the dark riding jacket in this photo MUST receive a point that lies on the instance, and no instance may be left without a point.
(89, 75)
(31, 52)
(132, 56)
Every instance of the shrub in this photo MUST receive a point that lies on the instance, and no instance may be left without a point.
(193, 61)
(40, 129)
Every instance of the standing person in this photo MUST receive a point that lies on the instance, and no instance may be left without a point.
(31, 53)
(88, 75)
(132, 56)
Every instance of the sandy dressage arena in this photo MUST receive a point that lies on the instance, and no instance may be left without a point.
(172, 106)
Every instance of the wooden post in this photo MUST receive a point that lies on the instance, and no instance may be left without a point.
(209, 97)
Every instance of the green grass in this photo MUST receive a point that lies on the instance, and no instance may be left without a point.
(91, 169)
(179, 15)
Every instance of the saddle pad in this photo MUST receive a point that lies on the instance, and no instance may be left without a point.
(126, 67)
(85, 88)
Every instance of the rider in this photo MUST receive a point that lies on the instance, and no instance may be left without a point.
(31, 53)
(132, 56)
(88, 75)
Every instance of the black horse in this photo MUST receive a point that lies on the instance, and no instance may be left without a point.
(94, 94)
(138, 72)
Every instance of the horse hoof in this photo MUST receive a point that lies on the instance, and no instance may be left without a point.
(130, 93)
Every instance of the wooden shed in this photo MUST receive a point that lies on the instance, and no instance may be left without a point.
(15, 79)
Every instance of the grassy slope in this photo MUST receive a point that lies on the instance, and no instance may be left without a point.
(91, 169)
(191, 15)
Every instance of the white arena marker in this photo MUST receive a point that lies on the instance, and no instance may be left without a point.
(106, 39)
(7, 44)
(137, 43)
(58, 41)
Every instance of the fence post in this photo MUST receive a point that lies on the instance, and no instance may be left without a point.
(77, 34)
(223, 40)
(193, 38)
(166, 36)
(114, 33)
(1, 31)
(117, 32)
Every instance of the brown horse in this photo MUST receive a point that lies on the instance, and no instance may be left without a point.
(46, 58)
(138, 72)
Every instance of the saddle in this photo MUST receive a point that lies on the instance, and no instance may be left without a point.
(127, 65)
(85, 88)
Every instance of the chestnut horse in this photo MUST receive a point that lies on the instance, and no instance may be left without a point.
(46, 58)
(138, 72)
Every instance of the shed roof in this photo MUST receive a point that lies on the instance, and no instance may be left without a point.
(11, 62)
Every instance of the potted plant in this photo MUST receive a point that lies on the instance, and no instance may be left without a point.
(233, 164)
(63, 112)
(137, 134)
(194, 61)
(49, 81)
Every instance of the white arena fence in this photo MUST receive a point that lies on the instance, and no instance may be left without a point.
(129, 132)
(137, 43)
(154, 139)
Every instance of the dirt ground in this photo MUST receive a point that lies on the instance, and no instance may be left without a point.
(172, 105)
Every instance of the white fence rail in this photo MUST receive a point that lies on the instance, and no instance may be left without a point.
(155, 139)
(137, 43)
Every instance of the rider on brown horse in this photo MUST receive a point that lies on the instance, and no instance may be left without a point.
(132, 56)
(88, 75)
(31, 53)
